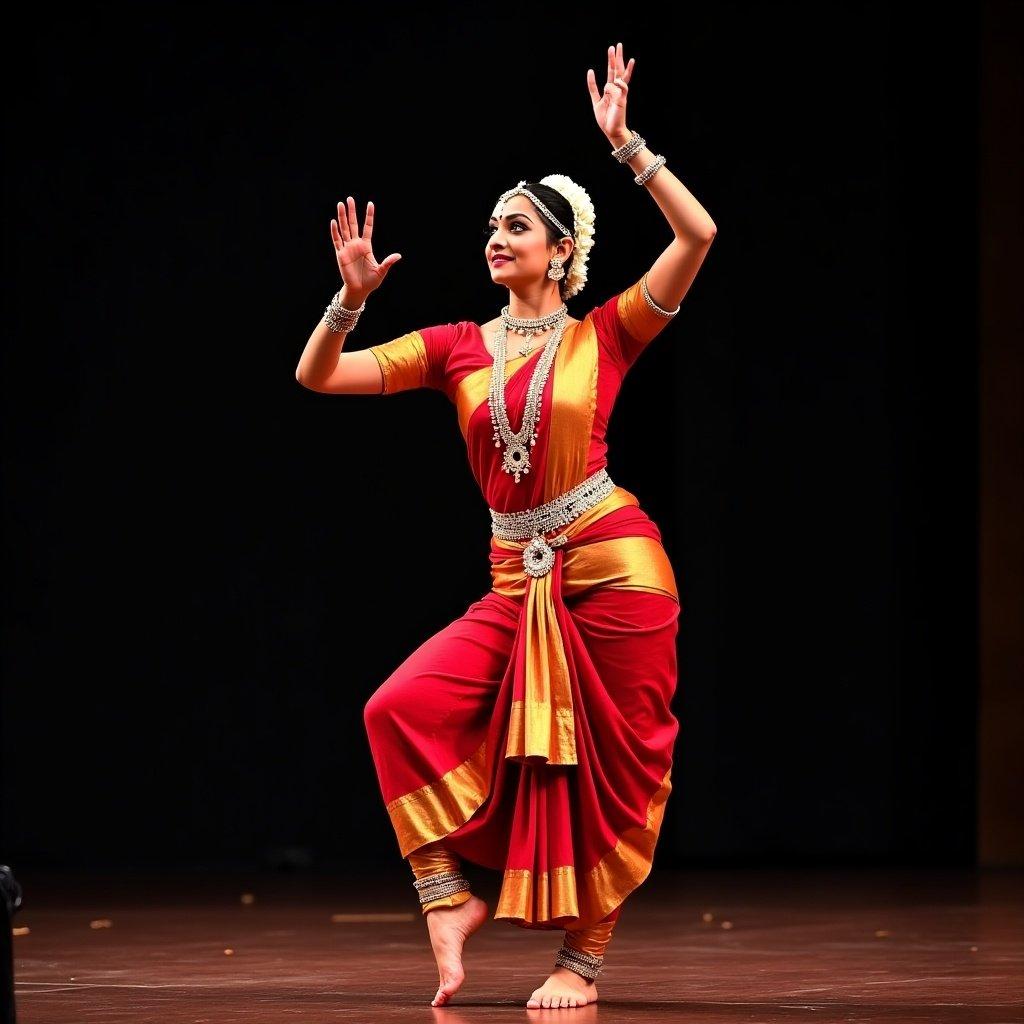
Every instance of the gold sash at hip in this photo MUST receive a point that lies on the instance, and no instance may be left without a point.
(542, 722)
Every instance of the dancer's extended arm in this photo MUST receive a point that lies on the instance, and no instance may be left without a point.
(323, 366)
(673, 271)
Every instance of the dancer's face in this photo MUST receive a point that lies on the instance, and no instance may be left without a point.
(521, 236)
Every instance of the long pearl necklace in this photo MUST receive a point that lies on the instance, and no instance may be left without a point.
(517, 451)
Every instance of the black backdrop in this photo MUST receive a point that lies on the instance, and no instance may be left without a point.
(209, 569)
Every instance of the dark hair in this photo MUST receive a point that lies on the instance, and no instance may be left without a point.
(562, 210)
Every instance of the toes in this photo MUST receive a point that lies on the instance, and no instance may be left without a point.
(533, 1003)
(443, 994)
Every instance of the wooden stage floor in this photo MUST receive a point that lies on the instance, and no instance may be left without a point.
(768, 945)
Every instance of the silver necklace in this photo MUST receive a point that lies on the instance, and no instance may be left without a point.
(532, 326)
(518, 443)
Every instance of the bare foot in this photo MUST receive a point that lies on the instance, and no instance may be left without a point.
(449, 928)
(563, 988)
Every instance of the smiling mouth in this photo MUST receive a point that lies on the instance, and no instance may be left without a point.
(500, 259)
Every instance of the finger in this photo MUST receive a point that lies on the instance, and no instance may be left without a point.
(353, 221)
(343, 223)
(619, 66)
(335, 236)
(592, 85)
(629, 69)
(368, 223)
(611, 65)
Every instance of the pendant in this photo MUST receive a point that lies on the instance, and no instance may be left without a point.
(516, 459)
(526, 349)
(538, 557)
(539, 554)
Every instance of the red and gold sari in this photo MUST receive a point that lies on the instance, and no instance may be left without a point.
(534, 733)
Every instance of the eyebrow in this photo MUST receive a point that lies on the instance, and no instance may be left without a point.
(509, 216)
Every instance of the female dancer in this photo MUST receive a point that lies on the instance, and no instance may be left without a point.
(533, 735)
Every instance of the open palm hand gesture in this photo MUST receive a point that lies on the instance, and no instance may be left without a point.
(610, 105)
(359, 268)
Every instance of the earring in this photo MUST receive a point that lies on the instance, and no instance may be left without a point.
(555, 271)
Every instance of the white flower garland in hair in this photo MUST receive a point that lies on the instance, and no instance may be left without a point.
(583, 212)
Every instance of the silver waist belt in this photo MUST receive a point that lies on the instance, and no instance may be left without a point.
(558, 512)
(538, 555)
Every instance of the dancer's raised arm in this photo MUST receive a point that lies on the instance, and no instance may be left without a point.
(673, 271)
(323, 366)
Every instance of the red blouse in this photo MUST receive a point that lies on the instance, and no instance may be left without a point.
(576, 403)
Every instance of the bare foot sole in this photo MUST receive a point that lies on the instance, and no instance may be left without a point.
(449, 927)
(563, 988)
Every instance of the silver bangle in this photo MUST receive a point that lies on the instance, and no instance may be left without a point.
(648, 172)
(338, 318)
(630, 148)
(650, 302)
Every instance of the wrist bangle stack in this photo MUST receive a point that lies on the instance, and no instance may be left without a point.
(648, 172)
(338, 318)
(630, 148)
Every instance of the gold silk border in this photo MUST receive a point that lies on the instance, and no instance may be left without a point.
(588, 896)
(573, 402)
(542, 724)
(433, 811)
(637, 317)
(403, 362)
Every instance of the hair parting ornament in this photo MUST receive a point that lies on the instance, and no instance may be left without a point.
(581, 231)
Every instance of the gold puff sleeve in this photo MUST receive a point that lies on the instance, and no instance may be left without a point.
(404, 363)
(637, 324)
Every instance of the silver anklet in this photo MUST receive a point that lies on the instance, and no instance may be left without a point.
(437, 886)
(584, 964)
